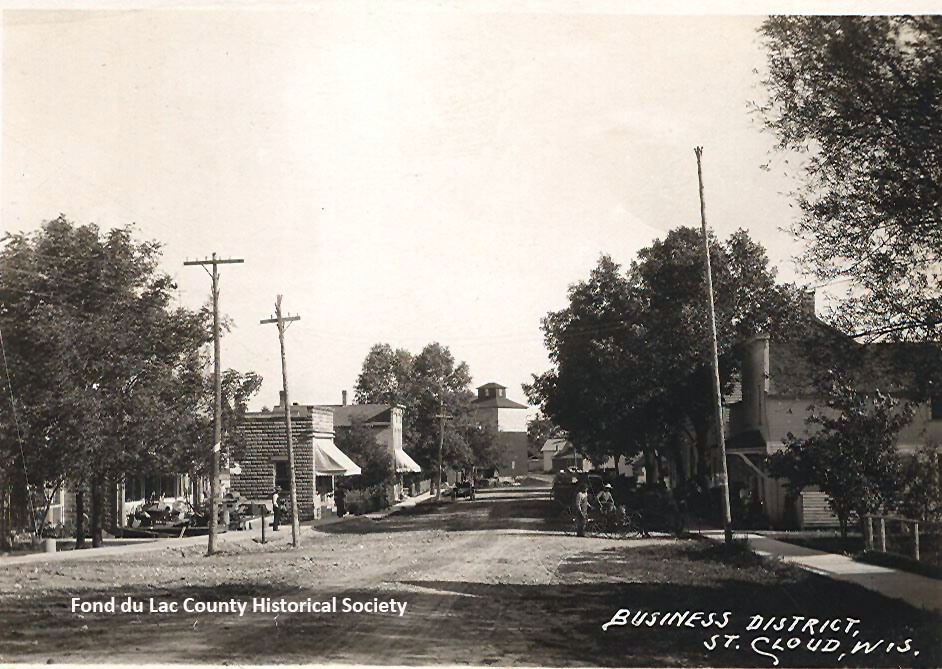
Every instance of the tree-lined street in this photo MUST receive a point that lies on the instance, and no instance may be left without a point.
(484, 582)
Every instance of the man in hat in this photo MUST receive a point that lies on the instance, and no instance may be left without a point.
(605, 500)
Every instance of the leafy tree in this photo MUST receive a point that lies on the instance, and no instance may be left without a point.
(631, 351)
(483, 446)
(850, 454)
(921, 494)
(439, 385)
(237, 389)
(424, 385)
(385, 376)
(858, 99)
(539, 429)
(592, 391)
(374, 458)
(107, 373)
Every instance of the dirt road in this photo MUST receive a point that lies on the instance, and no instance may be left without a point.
(489, 582)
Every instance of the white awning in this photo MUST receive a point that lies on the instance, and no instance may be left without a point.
(404, 463)
(328, 459)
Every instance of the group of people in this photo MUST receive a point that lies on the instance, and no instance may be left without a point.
(603, 500)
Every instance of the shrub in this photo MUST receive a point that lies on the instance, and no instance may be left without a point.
(921, 496)
(366, 500)
(658, 508)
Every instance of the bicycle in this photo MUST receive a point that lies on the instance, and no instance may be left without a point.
(622, 524)
(593, 528)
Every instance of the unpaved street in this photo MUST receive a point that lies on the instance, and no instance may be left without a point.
(489, 582)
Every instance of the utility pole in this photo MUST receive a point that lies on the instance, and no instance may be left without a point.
(717, 398)
(217, 422)
(280, 321)
(441, 446)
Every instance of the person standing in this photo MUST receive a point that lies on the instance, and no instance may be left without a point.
(582, 509)
(275, 510)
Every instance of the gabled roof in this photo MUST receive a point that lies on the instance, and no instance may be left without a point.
(889, 366)
(345, 414)
(499, 402)
(554, 445)
(569, 452)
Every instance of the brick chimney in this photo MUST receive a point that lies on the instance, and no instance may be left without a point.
(343, 394)
(807, 303)
(281, 398)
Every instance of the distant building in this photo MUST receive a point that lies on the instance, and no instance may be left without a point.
(492, 407)
(550, 448)
(385, 421)
(559, 454)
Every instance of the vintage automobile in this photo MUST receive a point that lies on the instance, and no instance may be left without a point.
(566, 483)
(463, 489)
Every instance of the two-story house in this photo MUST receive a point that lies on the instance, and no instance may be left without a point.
(385, 421)
(773, 399)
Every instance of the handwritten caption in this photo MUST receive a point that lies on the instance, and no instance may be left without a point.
(771, 637)
(239, 607)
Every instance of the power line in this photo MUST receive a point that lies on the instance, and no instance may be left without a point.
(217, 445)
(19, 434)
(280, 321)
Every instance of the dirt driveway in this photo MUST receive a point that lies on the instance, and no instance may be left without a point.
(485, 582)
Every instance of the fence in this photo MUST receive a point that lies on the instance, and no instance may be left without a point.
(911, 538)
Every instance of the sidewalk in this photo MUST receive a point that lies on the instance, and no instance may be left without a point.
(131, 547)
(407, 503)
(919, 591)
(222, 540)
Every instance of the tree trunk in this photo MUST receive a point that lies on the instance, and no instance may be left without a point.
(842, 519)
(700, 441)
(680, 481)
(4, 513)
(48, 501)
(79, 517)
(651, 470)
(97, 508)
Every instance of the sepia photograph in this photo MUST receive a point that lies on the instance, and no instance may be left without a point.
(450, 333)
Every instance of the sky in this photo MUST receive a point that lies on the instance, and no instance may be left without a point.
(404, 173)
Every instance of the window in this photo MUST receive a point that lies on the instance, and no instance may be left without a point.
(935, 408)
(133, 488)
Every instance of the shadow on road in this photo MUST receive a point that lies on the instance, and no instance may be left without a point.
(499, 514)
(459, 622)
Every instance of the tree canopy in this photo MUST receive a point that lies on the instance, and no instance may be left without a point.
(375, 460)
(850, 454)
(859, 100)
(108, 376)
(630, 352)
(425, 385)
(539, 429)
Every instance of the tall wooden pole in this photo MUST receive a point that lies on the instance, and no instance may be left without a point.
(717, 397)
(217, 413)
(441, 447)
(280, 321)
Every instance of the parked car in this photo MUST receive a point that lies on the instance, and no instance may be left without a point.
(463, 489)
(567, 482)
